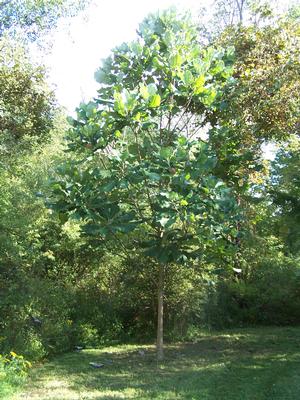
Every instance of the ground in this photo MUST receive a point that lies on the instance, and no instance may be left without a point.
(245, 364)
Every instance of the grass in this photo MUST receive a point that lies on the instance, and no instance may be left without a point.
(6, 388)
(9, 384)
(245, 364)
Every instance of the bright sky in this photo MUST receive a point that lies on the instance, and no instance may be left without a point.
(76, 55)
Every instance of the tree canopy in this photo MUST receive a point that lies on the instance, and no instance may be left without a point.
(32, 18)
(27, 105)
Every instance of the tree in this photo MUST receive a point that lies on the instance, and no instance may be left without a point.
(225, 14)
(230, 12)
(262, 105)
(27, 105)
(34, 17)
(284, 188)
(144, 167)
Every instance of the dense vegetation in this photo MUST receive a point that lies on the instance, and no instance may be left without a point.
(159, 207)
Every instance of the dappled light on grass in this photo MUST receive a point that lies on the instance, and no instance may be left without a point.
(247, 364)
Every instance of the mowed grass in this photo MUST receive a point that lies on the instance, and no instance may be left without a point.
(245, 364)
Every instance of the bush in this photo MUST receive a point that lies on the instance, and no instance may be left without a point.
(13, 373)
(14, 368)
(97, 319)
(270, 295)
(37, 321)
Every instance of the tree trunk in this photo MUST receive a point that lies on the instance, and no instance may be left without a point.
(240, 7)
(160, 313)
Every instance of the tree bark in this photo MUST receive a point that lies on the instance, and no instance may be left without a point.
(160, 313)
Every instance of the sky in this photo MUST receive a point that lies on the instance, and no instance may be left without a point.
(77, 51)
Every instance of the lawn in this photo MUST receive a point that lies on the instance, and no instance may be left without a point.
(244, 364)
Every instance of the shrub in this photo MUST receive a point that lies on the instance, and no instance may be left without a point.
(37, 320)
(269, 295)
(15, 367)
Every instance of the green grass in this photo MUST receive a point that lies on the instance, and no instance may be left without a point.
(245, 364)
(6, 388)
(9, 385)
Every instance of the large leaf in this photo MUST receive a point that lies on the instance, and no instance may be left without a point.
(155, 101)
(153, 176)
(199, 84)
(188, 78)
(119, 104)
(176, 61)
(166, 152)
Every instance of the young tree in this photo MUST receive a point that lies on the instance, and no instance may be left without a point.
(144, 166)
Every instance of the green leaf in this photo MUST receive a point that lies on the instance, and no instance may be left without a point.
(199, 84)
(104, 173)
(63, 217)
(150, 124)
(109, 186)
(155, 101)
(188, 78)
(166, 152)
(110, 210)
(182, 140)
(130, 100)
(133, 149)
(100, 76)
(157, 63)
(125, 228)
(210, 97)
(144, 92)
(137, 117)
(153, 176)
(137, 48)
(119, 105)
(152, 89)
(95, 229)
(176, 61)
